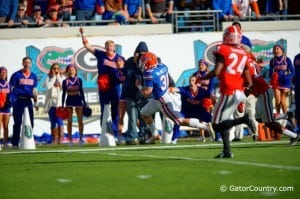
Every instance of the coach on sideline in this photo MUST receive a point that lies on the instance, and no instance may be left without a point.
(23, 84)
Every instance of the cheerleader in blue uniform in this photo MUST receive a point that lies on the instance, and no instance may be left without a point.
(281, 72)
(5, 104)
(73, 97)
(207, 84)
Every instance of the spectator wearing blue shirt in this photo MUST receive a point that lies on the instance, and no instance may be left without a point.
(134, 9)
(226, 7)
(85, 9)
(8, 11)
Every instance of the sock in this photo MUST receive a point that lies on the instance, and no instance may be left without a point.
(226, 142)
(289, 133)
(176, 129)
(193, 122)
(152, 129)
(298, 129)
(227, 124)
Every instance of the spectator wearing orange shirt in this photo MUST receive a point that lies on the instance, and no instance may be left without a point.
(242, 8)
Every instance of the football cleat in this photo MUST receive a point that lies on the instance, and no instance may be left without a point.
(152, 139)
(224, 155)
(294, 141)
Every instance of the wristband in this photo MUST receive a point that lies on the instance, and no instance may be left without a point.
(85, 41)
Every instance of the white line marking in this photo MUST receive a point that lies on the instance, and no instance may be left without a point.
(140, 147)
(228, 161)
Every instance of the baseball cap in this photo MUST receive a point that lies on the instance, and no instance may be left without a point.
(36, 8)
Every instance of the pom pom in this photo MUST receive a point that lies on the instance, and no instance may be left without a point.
(87, 111)
(274, 80)
(207, 103)
(104, 82)
(62, 113)
(2, 99)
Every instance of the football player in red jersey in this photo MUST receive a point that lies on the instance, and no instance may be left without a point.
(231, 64)
(264, 105)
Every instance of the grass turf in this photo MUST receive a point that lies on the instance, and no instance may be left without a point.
(186, 170)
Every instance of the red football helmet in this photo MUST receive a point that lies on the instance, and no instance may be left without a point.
(232, 35)
(149, 60)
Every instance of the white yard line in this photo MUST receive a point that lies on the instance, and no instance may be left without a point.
(228, 161)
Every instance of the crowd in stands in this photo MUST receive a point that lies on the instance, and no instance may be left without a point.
(59, 13)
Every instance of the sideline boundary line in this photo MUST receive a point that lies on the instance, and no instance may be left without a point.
(140, 147)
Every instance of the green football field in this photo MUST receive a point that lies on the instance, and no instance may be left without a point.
(186, 170)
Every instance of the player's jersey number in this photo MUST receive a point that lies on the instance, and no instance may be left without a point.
(164, 79)
(237, 64)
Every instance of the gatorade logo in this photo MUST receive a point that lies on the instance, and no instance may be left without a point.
(28, 132)
(168, 126)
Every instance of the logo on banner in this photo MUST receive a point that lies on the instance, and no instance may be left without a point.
(52, 54)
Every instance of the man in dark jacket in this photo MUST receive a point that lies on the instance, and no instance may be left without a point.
(132, 95)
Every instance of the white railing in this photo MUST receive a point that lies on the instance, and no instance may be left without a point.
(182, 21)
(196, 20)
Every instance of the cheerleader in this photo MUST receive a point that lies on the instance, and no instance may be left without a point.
(281, 72)
(73, 97)
(5, 104)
